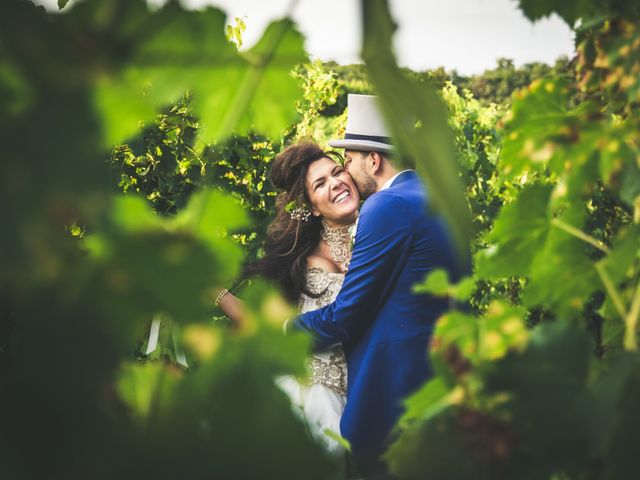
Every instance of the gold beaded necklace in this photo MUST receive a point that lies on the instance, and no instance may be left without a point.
(339, 241)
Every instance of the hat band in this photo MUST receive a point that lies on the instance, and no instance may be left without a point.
(371, 138)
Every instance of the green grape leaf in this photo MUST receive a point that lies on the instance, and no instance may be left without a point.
(477, 340)
(625, 252)
(180, 283)
(562, 276)
(437, 283)
(211, 212)
(210, 217)
(630, 189)
(154, 264)
(538, 114)
(545, 387)
(263, 95)
(518, 232)
(290, 207)
(570, 11)
(132, 214)
(528, 242)
(237, 388)
(146, 388)
(157, 76)
(431, 399)
(618, 369)
(445, 447)
(187, 50)
(619, 266)
(615, 421)
(614, 327)
(62, 4)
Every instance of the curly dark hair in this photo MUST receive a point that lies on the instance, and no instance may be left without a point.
(289, 241)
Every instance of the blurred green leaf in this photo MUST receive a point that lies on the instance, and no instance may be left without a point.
(477, 340)
(264, 94)
(338, 438)
(538, 115)
(625, 251)
(545, 390)
(180, 283)
(232, 92)
(615, 420)
(437, 283)
(168, 39)
(154, 264)
(436, 449)
(430, 400)
(146, 388)
(417, 120)
(211, 214)
(132, 214)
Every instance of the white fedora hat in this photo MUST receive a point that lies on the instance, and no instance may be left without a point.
(365, 126)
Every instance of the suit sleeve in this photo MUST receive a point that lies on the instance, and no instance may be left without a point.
(383, 241)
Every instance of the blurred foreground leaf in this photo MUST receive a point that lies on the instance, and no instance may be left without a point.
(154, 264)
(417, 120)
(232, 91)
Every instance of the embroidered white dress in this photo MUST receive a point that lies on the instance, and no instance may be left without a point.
(320, 400)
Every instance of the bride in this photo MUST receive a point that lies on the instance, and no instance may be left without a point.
(307, 253)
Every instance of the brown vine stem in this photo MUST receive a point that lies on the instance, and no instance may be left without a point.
(556, 222)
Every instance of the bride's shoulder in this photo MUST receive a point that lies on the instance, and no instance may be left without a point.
(321, 263)
(321, 275)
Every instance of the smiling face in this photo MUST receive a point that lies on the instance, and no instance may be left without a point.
(332, 193)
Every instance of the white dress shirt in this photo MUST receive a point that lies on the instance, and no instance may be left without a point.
(388, 183)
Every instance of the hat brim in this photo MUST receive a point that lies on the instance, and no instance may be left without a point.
(363, 145)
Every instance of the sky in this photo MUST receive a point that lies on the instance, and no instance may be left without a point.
(463, 35)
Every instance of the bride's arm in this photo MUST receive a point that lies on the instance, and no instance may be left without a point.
(231, 306)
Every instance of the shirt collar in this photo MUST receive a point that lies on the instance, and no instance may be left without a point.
(389, 182)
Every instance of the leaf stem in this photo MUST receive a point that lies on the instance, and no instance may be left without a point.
(631, 321)
(630, 333)
(580, 234)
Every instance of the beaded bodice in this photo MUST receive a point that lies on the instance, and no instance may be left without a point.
(328, 367)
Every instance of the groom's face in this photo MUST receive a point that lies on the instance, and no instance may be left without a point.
(357, 166)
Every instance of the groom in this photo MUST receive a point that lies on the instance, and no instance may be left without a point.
(383, 326)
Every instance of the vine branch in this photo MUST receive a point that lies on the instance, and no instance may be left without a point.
(556, 222)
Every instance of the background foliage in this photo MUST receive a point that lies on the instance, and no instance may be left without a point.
(134, 179)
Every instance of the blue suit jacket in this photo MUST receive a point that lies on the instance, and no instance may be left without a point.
(384, 327)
